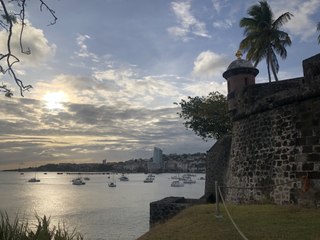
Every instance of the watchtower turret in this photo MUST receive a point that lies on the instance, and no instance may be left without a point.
(239, 75)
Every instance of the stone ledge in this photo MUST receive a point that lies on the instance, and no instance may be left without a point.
(166, 208)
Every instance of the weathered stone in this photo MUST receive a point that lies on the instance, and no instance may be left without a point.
(307, 149)
(308, 166)
(313, 157)
(275, 136)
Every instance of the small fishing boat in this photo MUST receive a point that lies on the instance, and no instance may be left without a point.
(113, 183)
(177, 184)
(148, 180)
(34, 180)
(78, 181)
(124, 178)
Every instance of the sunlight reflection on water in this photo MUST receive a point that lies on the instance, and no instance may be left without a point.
(94, 209)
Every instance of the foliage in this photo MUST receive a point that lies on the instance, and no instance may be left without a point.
(18, 230)
(206, 116)
(263, 37)
(263, 222)
(7, 59)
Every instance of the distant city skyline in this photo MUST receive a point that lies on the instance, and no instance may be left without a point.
(106, 75)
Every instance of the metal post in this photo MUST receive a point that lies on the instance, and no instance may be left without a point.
(218, 215)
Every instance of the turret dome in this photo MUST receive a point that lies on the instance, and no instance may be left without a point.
(240, 63)
(240, 66)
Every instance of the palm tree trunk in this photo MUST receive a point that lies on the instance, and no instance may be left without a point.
(274, 72)
(268, 68)
(270, 63)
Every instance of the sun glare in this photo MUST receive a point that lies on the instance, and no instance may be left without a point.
(54, 100)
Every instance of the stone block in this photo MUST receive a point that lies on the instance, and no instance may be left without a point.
(312, 140)
(314, 175)
(317, 149)
(307, 132)
(307, 149)
(308, 166)
(301, 157)
(301, 141)
(313, 157)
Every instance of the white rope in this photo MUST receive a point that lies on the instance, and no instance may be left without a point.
(234, 224)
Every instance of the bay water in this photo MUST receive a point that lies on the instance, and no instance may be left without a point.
(95, 210)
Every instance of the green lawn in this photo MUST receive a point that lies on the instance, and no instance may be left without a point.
(269, 222)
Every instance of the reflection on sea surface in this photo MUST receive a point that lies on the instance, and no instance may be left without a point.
(94, 209)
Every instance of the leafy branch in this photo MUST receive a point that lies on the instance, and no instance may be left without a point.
(8, 59)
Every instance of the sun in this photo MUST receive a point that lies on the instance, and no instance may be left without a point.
(55, 100)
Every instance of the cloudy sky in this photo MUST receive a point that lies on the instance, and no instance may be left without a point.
(105, 76)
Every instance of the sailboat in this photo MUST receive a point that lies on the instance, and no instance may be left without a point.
(177, 183)
(113, 183)
(34, 179)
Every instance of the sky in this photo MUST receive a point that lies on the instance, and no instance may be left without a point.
(106, 75)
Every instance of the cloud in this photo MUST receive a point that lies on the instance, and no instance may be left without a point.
(204, 88)
(301, 25)
(82, 132)
(209, 64)
(218, 5)
(137, 90)
(223, 24)
(34, 40)
(187, 23)
(83, 52)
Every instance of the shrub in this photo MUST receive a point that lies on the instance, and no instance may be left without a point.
(19, 230)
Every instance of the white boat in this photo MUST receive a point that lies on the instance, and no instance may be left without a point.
(78, 181)
(177, 184)
(189, 181)
(34, 180)
(148, 180)
(113, 183)
(124, 178)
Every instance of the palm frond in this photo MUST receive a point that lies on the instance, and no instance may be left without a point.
(263, 37)
(281, 20)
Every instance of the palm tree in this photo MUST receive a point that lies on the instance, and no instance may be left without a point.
(263, 37)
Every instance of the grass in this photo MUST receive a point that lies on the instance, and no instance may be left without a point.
(263, 222)
(19, 230)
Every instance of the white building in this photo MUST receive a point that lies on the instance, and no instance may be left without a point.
(157, 157)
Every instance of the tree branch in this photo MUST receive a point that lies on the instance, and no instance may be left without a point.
(9, 58)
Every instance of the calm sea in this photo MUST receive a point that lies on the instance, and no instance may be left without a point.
(95, 210)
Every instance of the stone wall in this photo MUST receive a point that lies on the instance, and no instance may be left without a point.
(217, 165)
(276, 139)
(166, 208)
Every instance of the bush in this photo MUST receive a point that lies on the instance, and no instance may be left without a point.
(19, 230)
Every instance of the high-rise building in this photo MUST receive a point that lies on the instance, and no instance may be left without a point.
(157, 157)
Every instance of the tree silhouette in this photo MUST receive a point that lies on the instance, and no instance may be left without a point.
(263, 37)
(206, 116)
(7, 58)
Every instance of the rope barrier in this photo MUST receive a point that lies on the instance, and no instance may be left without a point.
(231, 219)
(306, 186)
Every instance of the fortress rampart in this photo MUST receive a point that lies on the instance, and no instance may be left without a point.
(275, 147)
